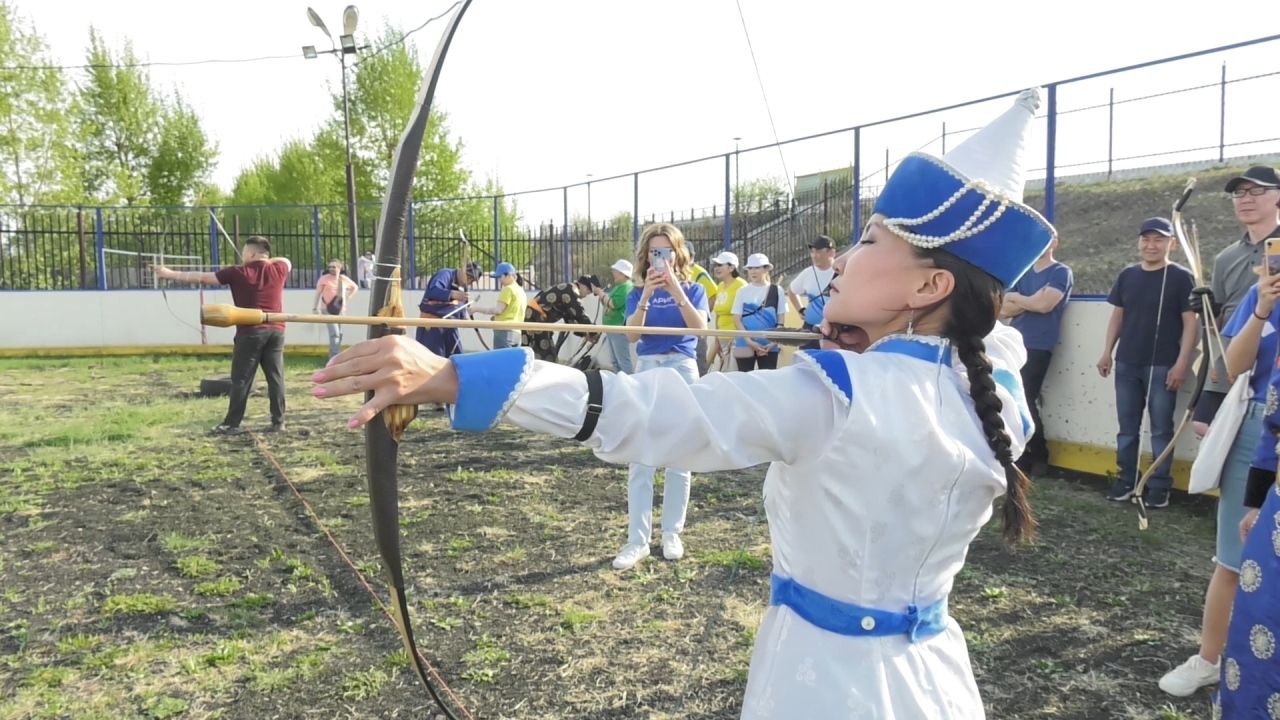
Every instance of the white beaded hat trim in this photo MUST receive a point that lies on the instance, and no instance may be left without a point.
(966, 229)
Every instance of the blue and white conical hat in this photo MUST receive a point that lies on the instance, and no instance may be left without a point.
(970, 200)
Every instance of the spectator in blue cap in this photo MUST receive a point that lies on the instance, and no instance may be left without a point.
(1155, 328)
(510, 307)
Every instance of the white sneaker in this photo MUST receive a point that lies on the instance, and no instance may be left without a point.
(1190, 676)
(629, 555)
(672, 548)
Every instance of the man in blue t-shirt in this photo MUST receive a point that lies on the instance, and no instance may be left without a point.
(1156, 329)
(1035, 305)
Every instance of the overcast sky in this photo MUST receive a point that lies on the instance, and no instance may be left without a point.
(544, 93)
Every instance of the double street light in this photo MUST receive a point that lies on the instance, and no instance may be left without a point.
(346, 46)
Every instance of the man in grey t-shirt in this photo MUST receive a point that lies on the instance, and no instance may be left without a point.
(1253, 198)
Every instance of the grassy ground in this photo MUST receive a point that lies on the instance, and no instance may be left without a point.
(153, 571)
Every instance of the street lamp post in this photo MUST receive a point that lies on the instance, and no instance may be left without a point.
(589, 225)
(737, 204)
(347, 46)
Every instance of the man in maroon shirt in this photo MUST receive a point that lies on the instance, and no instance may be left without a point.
(258, 282)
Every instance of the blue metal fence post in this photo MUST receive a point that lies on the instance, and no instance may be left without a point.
(1222, 115)
(497, 234)
(1111, 128)
(728, 210)
(98, 247)
(564, 235)
(411, 251)
(213, 237)
(635, 210)
(1051, 148)
(316, 250)
(857, 186)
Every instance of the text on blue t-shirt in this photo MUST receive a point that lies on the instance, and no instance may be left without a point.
(663, 312)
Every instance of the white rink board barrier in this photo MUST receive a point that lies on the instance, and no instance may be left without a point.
(1079, 406)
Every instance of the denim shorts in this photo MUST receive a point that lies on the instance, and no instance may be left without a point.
(1235, 475)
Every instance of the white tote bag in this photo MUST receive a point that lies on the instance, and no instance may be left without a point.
(1212, 455)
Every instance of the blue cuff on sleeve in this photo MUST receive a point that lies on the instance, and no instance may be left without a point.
(488, 383)
(1013, 384)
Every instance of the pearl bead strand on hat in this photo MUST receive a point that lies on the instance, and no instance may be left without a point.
(966, 229)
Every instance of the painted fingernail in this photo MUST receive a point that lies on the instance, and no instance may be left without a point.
(317, 376)
(353, 423)
(319, 392)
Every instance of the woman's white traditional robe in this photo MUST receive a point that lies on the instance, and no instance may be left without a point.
(879, 479)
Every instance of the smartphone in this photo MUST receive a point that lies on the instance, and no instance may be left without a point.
(660, 258)
(1272, 252)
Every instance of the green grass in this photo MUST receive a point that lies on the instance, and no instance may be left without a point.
(221, 587)
(196, 566)
(574, 619)
(744, 559)
(363, 685)
(178, 543)
(139, 604)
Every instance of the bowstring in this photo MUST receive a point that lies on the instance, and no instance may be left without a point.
(164, 293)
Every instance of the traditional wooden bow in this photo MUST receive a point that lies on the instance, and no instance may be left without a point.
(1190, 243)
(382, 434)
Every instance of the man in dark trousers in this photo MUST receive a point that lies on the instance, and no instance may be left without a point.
(447, 297)
(257, 282)
(1035, 305)
(1155, 327)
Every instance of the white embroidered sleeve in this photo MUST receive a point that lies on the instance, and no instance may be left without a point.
(721, 422)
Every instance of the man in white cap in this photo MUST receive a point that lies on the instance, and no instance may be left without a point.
(812, 283)
(615, 305)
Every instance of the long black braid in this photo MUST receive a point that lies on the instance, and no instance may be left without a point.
(973, 307)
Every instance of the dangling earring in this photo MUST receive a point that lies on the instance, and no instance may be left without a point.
(911, 323)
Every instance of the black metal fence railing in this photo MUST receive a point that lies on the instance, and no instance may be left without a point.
(1082, 121)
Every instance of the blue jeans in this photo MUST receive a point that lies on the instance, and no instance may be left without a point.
(506, 339)
(1235, 475)
(620, 350)
(1138, 386)
(675, 490)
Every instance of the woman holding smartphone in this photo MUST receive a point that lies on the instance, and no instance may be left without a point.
(667, 298)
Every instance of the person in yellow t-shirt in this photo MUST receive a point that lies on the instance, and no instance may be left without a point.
(510, 307)
(725, 268)
(699, 275)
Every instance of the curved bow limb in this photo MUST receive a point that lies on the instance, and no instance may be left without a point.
(382, 435)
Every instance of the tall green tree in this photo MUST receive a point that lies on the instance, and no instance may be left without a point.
(137, 146)
(34, 132)
(182, 158)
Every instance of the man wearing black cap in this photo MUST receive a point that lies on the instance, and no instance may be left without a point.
(1253, 198)
(1156, 329)
(447, 297)
(812, 283)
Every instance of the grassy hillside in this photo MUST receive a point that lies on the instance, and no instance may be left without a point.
(1098, 222)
